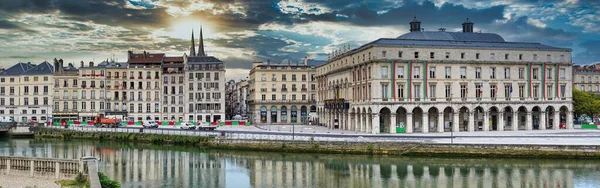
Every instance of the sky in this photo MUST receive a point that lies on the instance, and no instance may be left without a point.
(242, 31)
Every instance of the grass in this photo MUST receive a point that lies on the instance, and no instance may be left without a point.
(79, 182)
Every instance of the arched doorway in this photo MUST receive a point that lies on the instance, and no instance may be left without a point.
(508, 118)
(433, 119)
(479, 118)
(535, 117)
(263, 114)
(384, 120)
(417, 120)
(294, 113)
(563, 117)
(493, 115)
(284, 114)
(463, 119)
(273, 114)
(550, 117)
(522, 118)
(448, 119)
(401, 118)
(303, 114)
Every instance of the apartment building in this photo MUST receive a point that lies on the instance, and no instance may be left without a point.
(587, 78)
(438, 81)
(282, 93)
(25, 92)
(116, 86)
(173, 88)
(144, 85)
(236, 98)
(66, 91)
(205, 81)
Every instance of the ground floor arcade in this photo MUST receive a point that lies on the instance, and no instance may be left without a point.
(456, 118)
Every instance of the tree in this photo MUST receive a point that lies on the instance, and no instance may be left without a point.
(585, 103)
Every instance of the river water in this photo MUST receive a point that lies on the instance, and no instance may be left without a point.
(146, 165)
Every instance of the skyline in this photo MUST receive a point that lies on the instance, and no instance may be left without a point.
(239, 32)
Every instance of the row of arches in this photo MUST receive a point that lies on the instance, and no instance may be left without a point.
(462, 119)
(285, 115)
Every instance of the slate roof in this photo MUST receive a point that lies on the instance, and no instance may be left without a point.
(316, 63)
(17, 69)
(148, 58)
(452, 36)
(43, 68)
(464, 44)
(173, 59)
(203, 59)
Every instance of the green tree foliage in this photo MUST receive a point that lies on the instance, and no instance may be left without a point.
(106, 182)
(586, 103)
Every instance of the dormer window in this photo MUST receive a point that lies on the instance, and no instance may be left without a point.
(432, 55)
(416, 55)
(477, 56)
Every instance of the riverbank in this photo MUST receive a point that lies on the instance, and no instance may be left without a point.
(339, 147)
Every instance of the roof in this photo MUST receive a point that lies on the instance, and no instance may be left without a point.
(316, 63)
(203, 59)
(17, 69)
(114, 65)
(452, 36)
(173, 59)
(464, 44)
(146, 58)
(43, 68)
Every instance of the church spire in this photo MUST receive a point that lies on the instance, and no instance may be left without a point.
(201, 45)
(193, 48)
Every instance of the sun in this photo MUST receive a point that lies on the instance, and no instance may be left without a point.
(182, 29)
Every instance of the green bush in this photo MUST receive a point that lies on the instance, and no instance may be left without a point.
(106, 182)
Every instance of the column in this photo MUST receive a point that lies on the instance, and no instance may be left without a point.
(455, 125)
(515, 121)
(349, 122)
(409, 123)
(440, 126)
(425, 122)
(31, 167)
(542, 121)
(7, 166)
(529, 125)
(471, 122)
(369, 123)
(57, 170)
(393, 123)
(500, 121)
(375, 123)
(363, 123)
(486, 121)
(569, 120)
(357, 122)
(268, 116)
(556, 120)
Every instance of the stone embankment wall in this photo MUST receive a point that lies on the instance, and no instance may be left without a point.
(337, 147)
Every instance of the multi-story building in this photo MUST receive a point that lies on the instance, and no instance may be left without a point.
(282, 93)
(205, 82)
(92, 80)
(66, 92)
(25, 92)
(173, 88)
(116, 99)
(144, 85)
(437, 81)
(587, 78)
(236, 95)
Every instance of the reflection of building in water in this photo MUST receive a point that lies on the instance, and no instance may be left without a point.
(278, 173)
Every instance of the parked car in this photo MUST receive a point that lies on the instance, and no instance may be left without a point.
(187, 126)
(150, 124)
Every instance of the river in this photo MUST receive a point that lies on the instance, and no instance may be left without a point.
(147, 165)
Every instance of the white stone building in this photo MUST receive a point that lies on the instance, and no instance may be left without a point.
(92, 80)
(66, 91)
(25, 92)
(173, 88)
(587, 78)
(439, 81)
(144, 85)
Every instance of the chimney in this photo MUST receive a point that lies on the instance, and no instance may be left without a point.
(70, 65)
(91, 63)
(60, 63)
(130, 53)
(55, 65)
(145, 54)
(81, 66)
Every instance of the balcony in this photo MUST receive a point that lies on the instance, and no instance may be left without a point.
(156, 99)
(448, 99)
(93, 86)
(294, 89)
(284, 89)
(83, 86)
(26, 93)
(273, 89)
(304, 90)
(263, 89)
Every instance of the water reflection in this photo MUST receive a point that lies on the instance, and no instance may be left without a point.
(149, 166)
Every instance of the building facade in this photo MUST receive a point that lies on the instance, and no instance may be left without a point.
(92, 79)
(144, 85)
(66, 91)
(25, 92)
(173, 88)
(437, 81)
(282, 93)
(587, 78)
(236, 94)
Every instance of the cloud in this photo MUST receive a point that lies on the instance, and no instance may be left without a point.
(590, 54)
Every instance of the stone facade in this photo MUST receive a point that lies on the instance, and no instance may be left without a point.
(587, 78)
(445, 81)
(25, 92)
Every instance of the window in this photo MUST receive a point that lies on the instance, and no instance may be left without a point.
(493, 91)
(416, 71)
(506, 73)
(535, 57)
(448, 91)
(384, 91)
(400, 71)
(463, 72)
(520, 56)
(549, 91)
(263, 97)
(384, 72)
(549, 73)
(478, 72)
(273, 97)
(507, 91)
(462, 55)
(400, 54)
(493, 73)
(432, 91)
(562, 74)
(463, 91)
(536, 91)
(273, 78)
(293, 77)
(416, 55)
(447, 55)
(431, 72)
(432, 55)
(283, 97)
(506, 56)
(535, 73)
(477, 56)
(521, 73)
(548, 58)
(401, 91)
(383, 53)
(417, 92)
(492, 56)
(478, 91)
(447, 72)
(522, 92)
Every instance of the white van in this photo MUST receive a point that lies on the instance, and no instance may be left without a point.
(150, 124)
